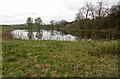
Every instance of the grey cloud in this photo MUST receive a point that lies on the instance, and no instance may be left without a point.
(73, 5)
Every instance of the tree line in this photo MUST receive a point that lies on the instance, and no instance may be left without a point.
(38, 21)
(96, 21)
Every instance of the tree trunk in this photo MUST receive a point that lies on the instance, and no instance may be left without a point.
(87, 14)
(92, 15)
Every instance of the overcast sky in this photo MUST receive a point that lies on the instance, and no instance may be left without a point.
(16, 11)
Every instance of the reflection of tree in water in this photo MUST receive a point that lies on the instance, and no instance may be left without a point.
(52, 32)
(30, 34)
(39, 34)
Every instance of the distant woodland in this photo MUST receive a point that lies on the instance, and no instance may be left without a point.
(93, 21)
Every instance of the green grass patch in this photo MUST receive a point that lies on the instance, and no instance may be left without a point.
(28, 58)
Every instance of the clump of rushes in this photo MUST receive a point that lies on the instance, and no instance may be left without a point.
(104, 49)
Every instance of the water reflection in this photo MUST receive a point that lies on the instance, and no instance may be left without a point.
(30, 34)
(39, 34)
(42, 35)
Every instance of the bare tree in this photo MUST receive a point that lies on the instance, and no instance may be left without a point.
(79, 15)
(92, 10)
(101, 9)
(86, 9)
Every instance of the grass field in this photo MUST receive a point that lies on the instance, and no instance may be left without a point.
(28, 58)
(0, 51)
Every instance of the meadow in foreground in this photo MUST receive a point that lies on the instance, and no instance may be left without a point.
(28, 58)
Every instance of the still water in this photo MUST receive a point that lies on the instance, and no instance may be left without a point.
(42, 35)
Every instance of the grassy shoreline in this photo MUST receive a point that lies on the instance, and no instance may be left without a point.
(28, 58)
(40, 58)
